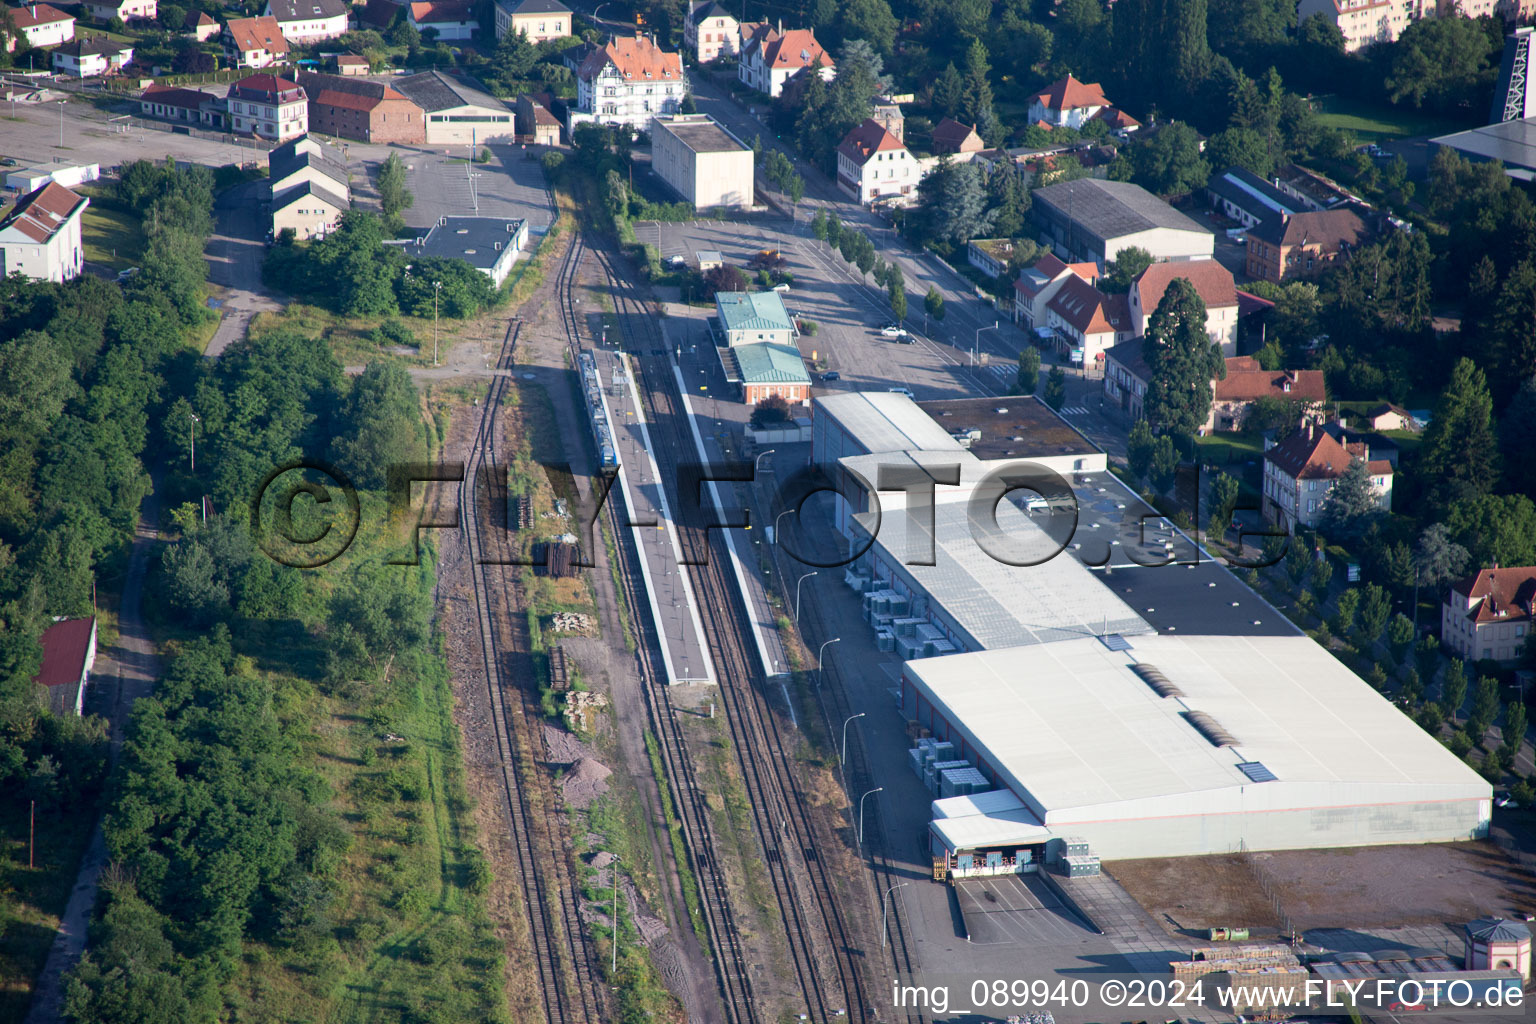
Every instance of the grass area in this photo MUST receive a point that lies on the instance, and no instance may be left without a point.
(1224, 448)
(351, 338)
(111, 235)
(1374, 123)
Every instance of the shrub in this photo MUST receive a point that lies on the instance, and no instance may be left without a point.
(484, 157)
(393, 332)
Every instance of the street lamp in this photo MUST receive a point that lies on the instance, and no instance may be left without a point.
(994, 327)
(615, 869)
(776, 519)
(884, 911)
(843, 757)
(823, 649)
(61, 122)
(437, 287)
(801, 580)
(192, 437)
(866, 796)
(757, 462)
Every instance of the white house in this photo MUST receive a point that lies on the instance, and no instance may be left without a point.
(1489, 614)
(537, 19)
(1086, 323)
(1067, 103)
(124, 10)
(269, 107)
(711, 32)
(1300, 471)
(255, 42)
(307, 20)
(628, 82)
(450, 19)
(42, 26)
(40, 236)
(1213, 283)
(1037, 285)
(770, 57)
(874, 164)
(85, 57)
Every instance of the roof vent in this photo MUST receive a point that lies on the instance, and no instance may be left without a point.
(1002, 410)
(442, 222)
(469, 252)
(463, 231)
(1153, 677)
(1211, 729)
(511, 229)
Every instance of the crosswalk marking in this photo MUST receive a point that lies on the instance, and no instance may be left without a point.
(1074, 410)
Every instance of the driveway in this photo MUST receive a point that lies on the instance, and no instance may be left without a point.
(235, 253)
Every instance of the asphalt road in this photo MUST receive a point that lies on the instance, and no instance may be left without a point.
(235, 253)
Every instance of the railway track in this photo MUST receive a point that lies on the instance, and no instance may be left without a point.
(732, 973)
(825, 963)
(557, 940)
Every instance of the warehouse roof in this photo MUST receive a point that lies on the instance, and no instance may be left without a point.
(887, 422)
(433, 91)
(1252, 193)
(996, 604)
(1261, 724)
(1112, 209)
(753, 311)
(1511, 142)
(482, 242)
(700, 133)
(1011, 428)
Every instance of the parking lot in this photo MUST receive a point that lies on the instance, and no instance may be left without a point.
(848, 314)
(446, 185)
(91, 138)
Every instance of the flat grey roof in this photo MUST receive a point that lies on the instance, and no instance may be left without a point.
(1013, 427)
(700, 134)
(1511, 142)
(474, 240)
(887, 422)
(1112, 209)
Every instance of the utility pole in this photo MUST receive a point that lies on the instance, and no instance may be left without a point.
(437, 287)
(615, 868)
(31, 834)
(192, 437)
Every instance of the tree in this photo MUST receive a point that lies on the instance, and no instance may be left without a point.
(952, 205)
(949, 91)
(1138, 451)
(1441, 63)
(1240, 147)
(1160, 45)
(394, 197)
(1494, 528)
(1514, 726)
(1169, 163)
(976, 104)
(1375, 607)
(1426, 654)
(898, 297)
(870, 20)
(1400, 634)
(770, 412)
(1322, 575)
(1437, 559)
(724, 278)
(512, 61)
(1027, 380)
(933, 302)
(1181, 361)
(615, 195)
(1453, 688)
(1165, 463)
(1517, 438)
(383, 425)
(1008, 201)
(819, 225)
(1055, 388)
(189, 60)
(1223, 499)
(1125, 268)
(1351, 503)
(1459, 454)
(1485, 707)
(1349, 604)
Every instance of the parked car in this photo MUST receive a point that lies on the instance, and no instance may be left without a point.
(1503, 798)
(901, 391)
(830, 376)
(782, 288)
(893, 331)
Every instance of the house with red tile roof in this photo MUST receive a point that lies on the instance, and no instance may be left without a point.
(42, 26)
(191, 106)
(200, 25)
(950, 136)
(1212, 281)
(1300, 471)
(1489, 614)
(40, 236)
(771, 56)
(1286, 247)
(1037, 285)
(254, 42)
(873, 164)
(69, 654)
(362, 109)
(269, 107)
(450, 19)
(628, 82)
(1247, 382)
(1086, 322)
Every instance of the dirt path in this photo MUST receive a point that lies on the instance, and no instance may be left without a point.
(235, 253)
(125, 672)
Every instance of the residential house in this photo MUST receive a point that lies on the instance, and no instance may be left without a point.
(1247, 382)
(268, 107)
(42, 26)
(885, 112)
(1247, 198)
(1036, 286)
(123, 10)
(254, 42)
(873, 164)
(628, 82)
(950, 136)
(535, 121)
(1363, 22)
(305, 21)
(1126, 376)
(1086, 323)
(1300, 471)
(1212, 282)
(747, 318)
(458, 112)
(362, 109)
(1067, 103)
(491, 245)
(450, 19)
(40, 236)
(69, 654)
(1089, 219)
(310, 209)
(711, 32)
(990, 255)
(350, 64)
(307, 160)
(764, 370)
(200, 26)
(770, 56)
(539, 20)
(91, 56)
(1302, 245)
(1378, 447)
(1392, 417)
(1489, 614)
(189, 106)
(705, 164)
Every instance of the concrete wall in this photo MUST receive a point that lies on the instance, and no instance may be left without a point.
(704, 179)
(465, 126)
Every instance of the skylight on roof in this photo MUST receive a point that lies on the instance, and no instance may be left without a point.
(1256, 771)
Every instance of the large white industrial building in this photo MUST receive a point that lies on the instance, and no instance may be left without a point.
(1097, 704)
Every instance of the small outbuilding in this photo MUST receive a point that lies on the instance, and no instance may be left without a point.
(1494, 944)
(69, 654)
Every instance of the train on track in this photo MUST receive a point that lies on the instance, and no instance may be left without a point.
(597, 409)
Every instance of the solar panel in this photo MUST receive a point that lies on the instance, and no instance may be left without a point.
(1115, 642)
(1256, 771)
